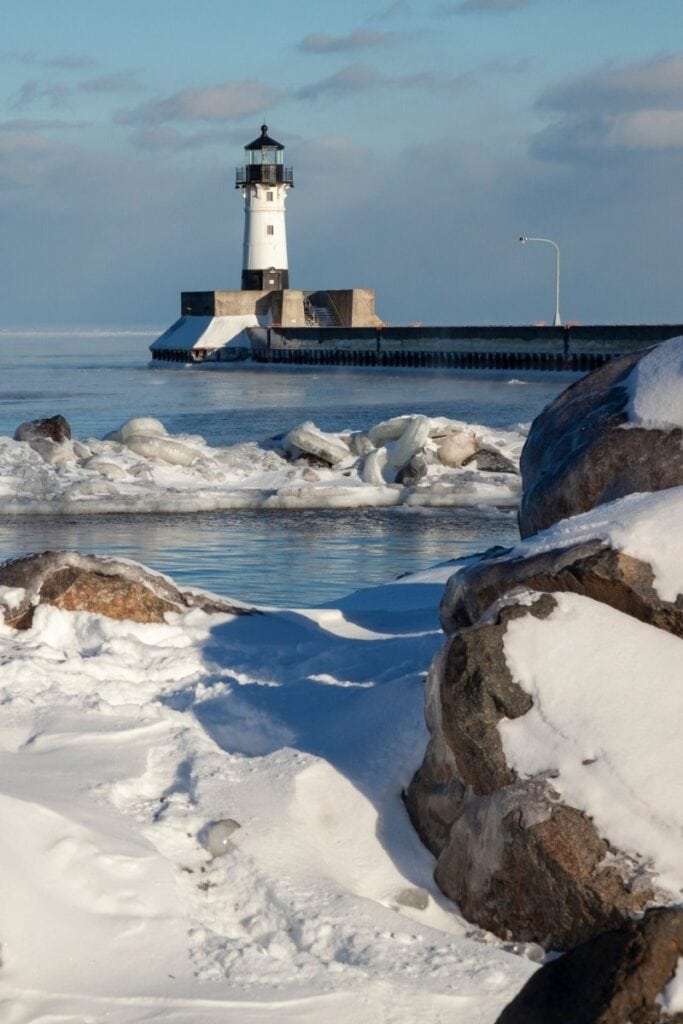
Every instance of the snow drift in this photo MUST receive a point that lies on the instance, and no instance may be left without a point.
(131, 751)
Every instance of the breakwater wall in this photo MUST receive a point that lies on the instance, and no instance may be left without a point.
(579, 348)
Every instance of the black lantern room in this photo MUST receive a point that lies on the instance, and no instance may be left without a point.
(264, 163)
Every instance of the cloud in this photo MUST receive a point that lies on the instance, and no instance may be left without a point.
(399, 9)
(361, 39)
(33, 124)
(505, 66)
(481, 7)
(56, 93)
(352, 79)
(119, 81)
(615, 89)
(70, 62)
(636, 106)
(64, 61)
(358, 78)
(223, 102)
(26, 158)
(166, 138)
(649, 129)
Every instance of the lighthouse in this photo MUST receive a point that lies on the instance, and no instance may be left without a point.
(228, 326)
(264, 181)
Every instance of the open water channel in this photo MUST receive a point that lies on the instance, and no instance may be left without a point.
(99, 379)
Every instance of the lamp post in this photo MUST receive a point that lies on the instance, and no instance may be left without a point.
(523, 239)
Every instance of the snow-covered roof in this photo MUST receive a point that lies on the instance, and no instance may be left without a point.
(193, 332)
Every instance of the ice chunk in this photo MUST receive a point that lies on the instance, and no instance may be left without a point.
(388, 430)
(215, 836)
(307, 438)
(411, 440)
(360, 444)
(374, 467)
(54, 453)
(146, 425)
(81, 450)
(112, 470)
(161, 449)
(456, 446)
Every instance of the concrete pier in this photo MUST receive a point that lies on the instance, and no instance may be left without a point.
(341, 328)
(579, 348)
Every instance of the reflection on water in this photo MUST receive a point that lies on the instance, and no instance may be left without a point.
(280, 558)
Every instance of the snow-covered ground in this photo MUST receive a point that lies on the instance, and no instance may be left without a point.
(121, 744)
(141, 468)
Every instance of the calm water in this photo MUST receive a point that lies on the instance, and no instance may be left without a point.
(99, 380)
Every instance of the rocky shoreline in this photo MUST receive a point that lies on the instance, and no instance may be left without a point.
(527, 820)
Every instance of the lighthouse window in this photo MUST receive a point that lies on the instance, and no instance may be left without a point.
(270, 230)
(269, 196)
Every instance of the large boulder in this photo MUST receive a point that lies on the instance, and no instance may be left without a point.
(516, 859)
(106, 586)
(546, 790)
(618, 976)
(592, 568)
(614, 432)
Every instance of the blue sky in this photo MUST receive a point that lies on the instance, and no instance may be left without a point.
(426, 135)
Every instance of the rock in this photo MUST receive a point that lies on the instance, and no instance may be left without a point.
(489, 461)
(457, 447)
(414, 471)
(55, 428)
(105, 586)
(578, 454)
(516, 860)
(591, 568)
(614, 978)
(308, 439)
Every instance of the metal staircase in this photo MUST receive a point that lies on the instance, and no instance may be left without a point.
(319, 316)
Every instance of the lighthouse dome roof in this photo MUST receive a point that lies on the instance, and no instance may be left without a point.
(264, 141)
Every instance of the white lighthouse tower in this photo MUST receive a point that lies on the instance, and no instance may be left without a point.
(264, 181)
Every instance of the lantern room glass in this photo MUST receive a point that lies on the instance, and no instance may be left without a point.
(265, 155)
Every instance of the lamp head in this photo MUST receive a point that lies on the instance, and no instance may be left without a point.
(523, 239)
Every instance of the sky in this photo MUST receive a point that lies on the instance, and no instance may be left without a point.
(426, 136)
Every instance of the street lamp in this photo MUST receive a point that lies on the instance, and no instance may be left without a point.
(523, 239)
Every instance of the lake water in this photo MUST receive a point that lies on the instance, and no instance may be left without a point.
(99, 379)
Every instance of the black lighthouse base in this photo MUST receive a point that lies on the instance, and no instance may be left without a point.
(265, 280)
